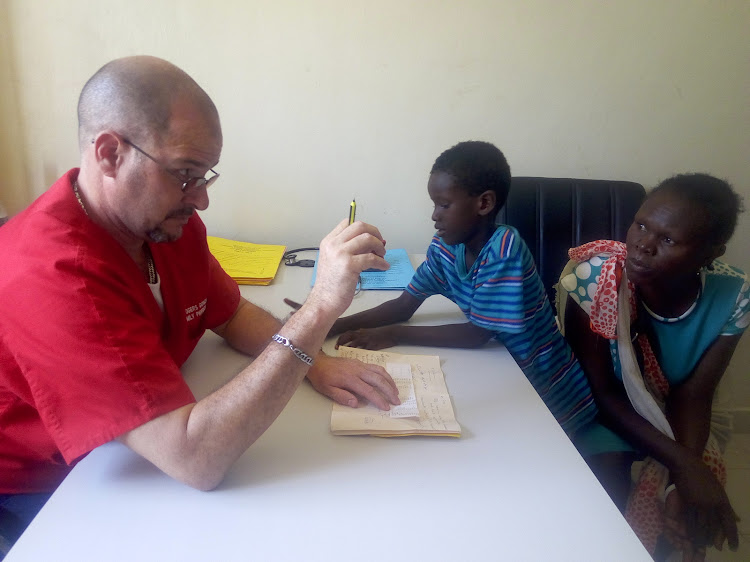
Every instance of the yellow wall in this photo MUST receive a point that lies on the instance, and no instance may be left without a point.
(15, 191)
(325, 100)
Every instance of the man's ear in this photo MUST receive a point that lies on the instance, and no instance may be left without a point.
(107, 151)
(487, 201)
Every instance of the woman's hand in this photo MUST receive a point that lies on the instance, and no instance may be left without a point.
(372, 338)
(675, 531)
(706, 514)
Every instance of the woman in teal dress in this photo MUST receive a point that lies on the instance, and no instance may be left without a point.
(654, 323)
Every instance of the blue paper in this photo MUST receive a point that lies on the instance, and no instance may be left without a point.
(396, 278)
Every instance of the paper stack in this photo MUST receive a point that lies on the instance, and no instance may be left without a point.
(247, 263)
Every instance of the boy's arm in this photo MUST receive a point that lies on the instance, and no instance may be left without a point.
(393, 311)
(371, 329)
(465, 335)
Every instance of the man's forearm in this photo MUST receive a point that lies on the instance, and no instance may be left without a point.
(250, 329)
(198, 443)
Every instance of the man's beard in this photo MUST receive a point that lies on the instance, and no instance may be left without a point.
(159, 235)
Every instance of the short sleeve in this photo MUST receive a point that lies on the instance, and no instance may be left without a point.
(509, 292)
(93, 361)
(740, 318)
(581, 283)
(429, 279)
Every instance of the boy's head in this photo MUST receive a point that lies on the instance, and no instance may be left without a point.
(468, 185)
(476, 167)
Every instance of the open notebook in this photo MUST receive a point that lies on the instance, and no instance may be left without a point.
(425, 408)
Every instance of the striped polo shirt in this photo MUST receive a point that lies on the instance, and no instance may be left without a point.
(502, 293)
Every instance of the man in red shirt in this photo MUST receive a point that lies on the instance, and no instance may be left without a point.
(107, 286)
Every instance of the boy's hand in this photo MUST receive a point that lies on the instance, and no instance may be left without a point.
(295, 306)
(372, 338)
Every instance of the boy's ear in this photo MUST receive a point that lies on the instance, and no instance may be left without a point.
(487, 201)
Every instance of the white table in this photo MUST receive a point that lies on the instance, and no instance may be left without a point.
(512, 487)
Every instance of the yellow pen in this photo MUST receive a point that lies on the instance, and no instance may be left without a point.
(352, 214)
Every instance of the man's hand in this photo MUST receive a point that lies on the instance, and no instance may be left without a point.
(372, 338)
(346, 381)
(344, 254)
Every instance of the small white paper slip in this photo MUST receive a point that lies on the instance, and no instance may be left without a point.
(401, 375)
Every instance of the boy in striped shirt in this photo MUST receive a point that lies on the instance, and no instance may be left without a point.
(488, 271)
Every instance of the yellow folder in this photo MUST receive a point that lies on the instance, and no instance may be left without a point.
(245, 262)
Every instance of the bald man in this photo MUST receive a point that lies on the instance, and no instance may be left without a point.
(98, 277)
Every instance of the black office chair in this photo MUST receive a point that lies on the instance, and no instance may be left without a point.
(555, 214)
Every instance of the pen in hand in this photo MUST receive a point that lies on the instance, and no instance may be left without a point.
(353, 213)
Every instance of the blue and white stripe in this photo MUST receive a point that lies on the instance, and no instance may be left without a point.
(503, 293)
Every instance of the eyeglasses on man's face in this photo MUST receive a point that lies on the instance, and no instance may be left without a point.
(187, 183)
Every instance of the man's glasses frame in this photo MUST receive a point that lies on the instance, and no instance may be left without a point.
(187, 184)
